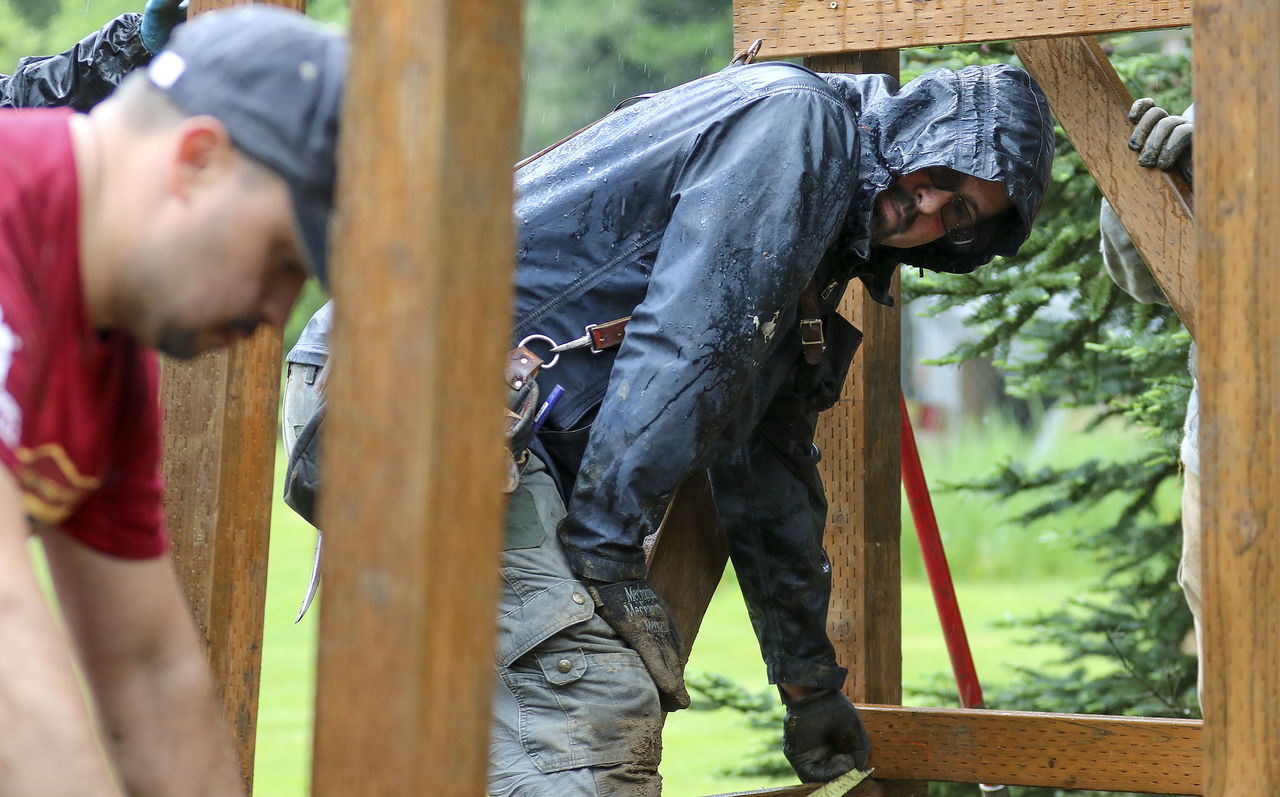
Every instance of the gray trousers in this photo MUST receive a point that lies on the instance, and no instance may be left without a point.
(574, 710)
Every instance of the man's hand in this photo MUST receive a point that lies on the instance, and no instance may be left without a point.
(641, 618)
(1159, 138)
(823, 737)
(159, 18)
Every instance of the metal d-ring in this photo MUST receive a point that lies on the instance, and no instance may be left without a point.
(551, 343)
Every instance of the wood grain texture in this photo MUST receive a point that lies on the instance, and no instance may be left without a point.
(1020, 748)
(793, 28)
(422, 262)
(1237, 164)
(219, 462)
(688, 557)
(861, 443)
(1092, 105)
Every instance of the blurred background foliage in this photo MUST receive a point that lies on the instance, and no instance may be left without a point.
(1072, 509)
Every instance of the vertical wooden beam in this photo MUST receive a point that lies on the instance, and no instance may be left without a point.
(861, 461)
(1237, 167)
(423, 253)
(220, 443)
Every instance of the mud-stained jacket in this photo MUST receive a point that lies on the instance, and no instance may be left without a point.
(82, 76)
(703, 212)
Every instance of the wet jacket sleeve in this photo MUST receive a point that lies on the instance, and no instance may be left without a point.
(1124, 264)
(758, 200)
(772, 506)
(80, 77)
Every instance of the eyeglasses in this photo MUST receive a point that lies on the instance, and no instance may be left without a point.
(956, 218)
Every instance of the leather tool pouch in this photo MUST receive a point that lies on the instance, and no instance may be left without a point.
(520, 378)
(302, 474)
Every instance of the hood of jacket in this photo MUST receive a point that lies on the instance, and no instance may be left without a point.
(991, 122)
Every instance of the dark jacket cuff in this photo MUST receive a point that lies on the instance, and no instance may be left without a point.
(598, 568)
(785, 669)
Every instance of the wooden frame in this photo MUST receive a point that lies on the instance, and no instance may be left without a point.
(794, 28)
(1091, 103)
(219, 460)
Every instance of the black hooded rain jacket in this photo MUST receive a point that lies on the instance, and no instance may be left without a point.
(82, 76)
(703, 212)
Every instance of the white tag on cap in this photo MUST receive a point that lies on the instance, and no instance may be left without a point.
(166, 68)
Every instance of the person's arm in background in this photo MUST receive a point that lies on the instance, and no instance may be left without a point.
(1162, 141)
(145, 663)
(85, 74)
(48, 745)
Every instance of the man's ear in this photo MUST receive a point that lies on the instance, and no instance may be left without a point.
(202, 153)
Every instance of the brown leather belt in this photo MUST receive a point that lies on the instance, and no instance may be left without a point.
(610, 334)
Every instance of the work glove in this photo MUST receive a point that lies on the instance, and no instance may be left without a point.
(1161, 140)
(641, 618)
(159, 18)
(823, 737)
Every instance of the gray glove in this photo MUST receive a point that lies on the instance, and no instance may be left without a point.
(159, 18)
(1160, 140)
(823, 737)
(640, 617)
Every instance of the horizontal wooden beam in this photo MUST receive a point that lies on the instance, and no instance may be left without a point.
(1023, 748)
(1092, 104)
(792, 28)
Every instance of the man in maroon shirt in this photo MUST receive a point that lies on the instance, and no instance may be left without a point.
(180, 214)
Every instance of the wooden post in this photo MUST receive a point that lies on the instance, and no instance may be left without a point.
(422, 265)
(861, 462)
(1237, 167)
(219, 459)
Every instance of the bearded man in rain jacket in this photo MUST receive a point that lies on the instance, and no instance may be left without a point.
(707, 213)
(84, 75)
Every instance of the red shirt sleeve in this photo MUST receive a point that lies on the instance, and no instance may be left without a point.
(124, 517)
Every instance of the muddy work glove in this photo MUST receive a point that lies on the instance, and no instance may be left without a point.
(641, 618)
(159, 18)
(1160, 139)
(823, 737)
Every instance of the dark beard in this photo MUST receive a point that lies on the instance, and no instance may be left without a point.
(902, 201)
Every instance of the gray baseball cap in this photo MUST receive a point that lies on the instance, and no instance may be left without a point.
(274, 79)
